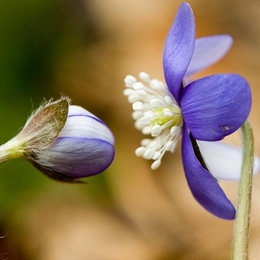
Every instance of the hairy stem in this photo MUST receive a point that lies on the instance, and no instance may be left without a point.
(242, 222)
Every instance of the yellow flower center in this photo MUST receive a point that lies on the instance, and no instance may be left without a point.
(170, 116)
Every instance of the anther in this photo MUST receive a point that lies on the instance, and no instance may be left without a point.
(146, 142)
(138, 86)
(133, 98)
(130, 80)
(140, 151)
(145, 120)
(156, 155)
(169, 145)
(156, 84)
(156, 102)
(174, 131)
(137, 115)
(156, 130)
(167, 112)
(146, 130)
(137, 106)
(128, 91)
(156, 164)
(149, 153)
(144, 76)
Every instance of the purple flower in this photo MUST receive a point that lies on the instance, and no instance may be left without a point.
(205, 110)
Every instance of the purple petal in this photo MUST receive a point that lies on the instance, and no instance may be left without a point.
(76, 157)
(216, 106)
(207, 51)
(178, 49)
(203, 186)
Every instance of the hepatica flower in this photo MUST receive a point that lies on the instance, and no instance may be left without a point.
(202, 111)
(63, 141)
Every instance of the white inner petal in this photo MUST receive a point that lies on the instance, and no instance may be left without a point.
(82, 123)
(223, 160)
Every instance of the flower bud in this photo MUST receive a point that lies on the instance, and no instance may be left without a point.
(63, 141)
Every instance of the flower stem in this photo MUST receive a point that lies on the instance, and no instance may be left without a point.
(242, 222)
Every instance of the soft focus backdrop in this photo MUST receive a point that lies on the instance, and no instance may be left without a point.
(84, 49)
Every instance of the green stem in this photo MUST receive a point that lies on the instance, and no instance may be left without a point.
(242, 222)
(11, 150)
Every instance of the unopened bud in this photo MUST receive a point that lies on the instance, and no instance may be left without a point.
(64, 142)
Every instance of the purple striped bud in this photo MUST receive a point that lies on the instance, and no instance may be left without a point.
(64, 142)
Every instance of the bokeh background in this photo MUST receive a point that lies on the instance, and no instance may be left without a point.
(84, 49)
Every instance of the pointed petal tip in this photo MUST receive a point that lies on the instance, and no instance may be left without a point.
(204, 187)
(178, 49)
(208, 50)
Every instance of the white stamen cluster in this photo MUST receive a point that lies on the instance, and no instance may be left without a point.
(156, 113)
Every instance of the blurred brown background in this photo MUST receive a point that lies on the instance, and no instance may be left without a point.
(84, 49)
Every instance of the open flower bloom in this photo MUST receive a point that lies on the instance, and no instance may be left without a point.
(203, 111)
(63, 141)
